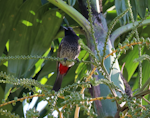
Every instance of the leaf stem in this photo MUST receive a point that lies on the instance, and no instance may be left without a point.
(127, 28)
(73, 13)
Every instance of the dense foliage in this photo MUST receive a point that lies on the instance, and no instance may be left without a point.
(30, 33)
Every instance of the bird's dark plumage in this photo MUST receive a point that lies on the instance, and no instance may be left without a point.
(68, 49)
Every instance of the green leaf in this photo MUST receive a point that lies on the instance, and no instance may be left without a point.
(148, 4)
(130, 66)
(30, 40)
(134, 8)
(20, 40)
(8, 12)
(71, 2)
(9, 106)
(107, 4)
(145, 72)
(141, 7)
(121, 5)
(27, 23)
(49, 67)
(82, 68)
(39, 63)
(51, 22)
(33, 40)
(22, 37)
(2, 90)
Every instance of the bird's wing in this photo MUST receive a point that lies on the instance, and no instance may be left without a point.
(58, 55)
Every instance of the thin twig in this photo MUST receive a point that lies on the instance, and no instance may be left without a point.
(146, 100)
(27, 97)
(27, 57)
(123, 47)
(21, 99)
(101, 98)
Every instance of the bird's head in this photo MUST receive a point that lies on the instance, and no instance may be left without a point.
(69, 31)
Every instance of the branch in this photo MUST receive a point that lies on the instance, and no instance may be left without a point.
(123, 47)
(126, 28)
(25, 57)
(74, 14)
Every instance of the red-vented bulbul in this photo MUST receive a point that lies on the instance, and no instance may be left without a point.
(68, 49)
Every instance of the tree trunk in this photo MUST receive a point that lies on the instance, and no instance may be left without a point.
(103, 108)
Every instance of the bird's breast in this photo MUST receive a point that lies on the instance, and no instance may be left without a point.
(69, 51)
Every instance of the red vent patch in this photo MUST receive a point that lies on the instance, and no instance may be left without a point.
(62, 69)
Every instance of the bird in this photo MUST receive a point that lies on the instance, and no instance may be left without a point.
(68, 49)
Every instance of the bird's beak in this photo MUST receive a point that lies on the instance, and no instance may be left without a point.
(65, 27)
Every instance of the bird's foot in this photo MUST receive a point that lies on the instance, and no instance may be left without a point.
(65, 59)
(77, 60)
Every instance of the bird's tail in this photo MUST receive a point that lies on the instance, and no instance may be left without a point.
(58, 82)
